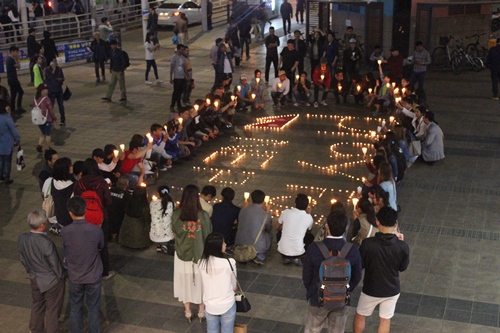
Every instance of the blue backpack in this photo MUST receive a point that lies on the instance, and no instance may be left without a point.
(334, 277)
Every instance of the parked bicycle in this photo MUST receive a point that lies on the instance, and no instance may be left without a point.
(476, 49)
(463, 60)
(443, 56)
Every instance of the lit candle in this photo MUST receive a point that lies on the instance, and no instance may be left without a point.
(383, 123)
(257, 80)
(233, 98)
(379, 61)
(360, 189)
(216, 104)
(358, 88)
(391, 119)
(150, 138)
(196, 107)
(354, 202)
(266, 199)
(253, 96)
(333, 201)
(396, 91)
(116, 152)
(180, 120)
(393, 84)
(122, 147)
(403, 90)
(364, 149)
(310, 199)
(207, 101)
(339, 86)
(322, 77)
(279, 85)
(297, 77)
(238, 87)
(379, 128)
(143, 184)
(370, 90)
(373, 133)
(154, 198)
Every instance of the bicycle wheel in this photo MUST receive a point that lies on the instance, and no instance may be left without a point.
(439, 57)
(457, 64)
(477, 64)
(472, 50)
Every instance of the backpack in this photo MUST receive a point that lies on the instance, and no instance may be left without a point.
(37, 117)
(126, 59)
(94, 213)
(334, 278)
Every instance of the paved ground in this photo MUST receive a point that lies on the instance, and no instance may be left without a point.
(450, 212)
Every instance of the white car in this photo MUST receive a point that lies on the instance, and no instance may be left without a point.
(169, 11)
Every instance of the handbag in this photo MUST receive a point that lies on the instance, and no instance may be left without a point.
(48, 202)
(240, 328)
(20, 159)
(321, 234)
(242, 303)
(175, 40)
(244, 253)
(67, 94)
(415, 148)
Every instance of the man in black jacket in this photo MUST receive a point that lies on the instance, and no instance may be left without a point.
(286, 12)
(316, 316)
(117, 70)
(383, 256)
(33, 49)
(152, 26)
(301, 47)
(493, 63)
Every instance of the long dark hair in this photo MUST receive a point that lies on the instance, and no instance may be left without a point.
(148, 36)
(367, 208)
(190, 203)
(212, 248)
(90, 168)
(138, 204)
(61, 169)
(164, 192)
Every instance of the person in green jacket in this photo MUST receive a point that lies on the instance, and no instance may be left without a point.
(38, 72)
(191, 226)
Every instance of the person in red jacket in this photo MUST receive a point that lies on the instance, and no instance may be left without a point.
(321, 78)
(395, 63)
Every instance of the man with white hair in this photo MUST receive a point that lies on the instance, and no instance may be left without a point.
(39, 256)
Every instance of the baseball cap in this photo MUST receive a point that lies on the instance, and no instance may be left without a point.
(243, 77)
(281, 72)
(352, 40)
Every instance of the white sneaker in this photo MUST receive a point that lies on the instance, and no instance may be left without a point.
(158, 81)
(295, 104)
(148, 83)
(315, 105)
(324, 103)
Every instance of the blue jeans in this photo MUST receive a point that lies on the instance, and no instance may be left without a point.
(223, 323)
(261, 256)
(76, 294)
(5, 165)
(316, 318)
(418, 77)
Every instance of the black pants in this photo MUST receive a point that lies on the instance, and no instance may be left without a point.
(300, 67)
(16, 91)
(245, 46)
(97, 65)
(268, 67)
(149, 64)
(301, 11)
(186, 95)
(291, 76)
(104, 251)
(316, 93)
(314, 64)
(285, 20)
(179, 86)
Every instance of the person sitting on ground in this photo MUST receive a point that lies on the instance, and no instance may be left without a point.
(293, 224)
(386, 96)
(190, 141)
(322, 79)
(50, 157)
(242, 91)
(136, 225)
(207, 194)
(376, 55)
(341, 87)
(225, 217)
(373, 165)
(302, 90)
(280, 89)
(109, 159)
(257, 88)
(77, 170)
(433, 144)
(418, 131)
(106, 169)
(251, 220)
(133, 159)
(364, 225)
(161, 220)
(158, 153)
(197, 127)
(120, 198)
(379, 196)
(386, 182)
(172, 146)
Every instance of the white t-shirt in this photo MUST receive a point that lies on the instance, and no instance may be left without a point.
(207, 207)
(295, 224)
(149, 55)
(218, 284)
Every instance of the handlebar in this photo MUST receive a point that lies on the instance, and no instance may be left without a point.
(476, 35)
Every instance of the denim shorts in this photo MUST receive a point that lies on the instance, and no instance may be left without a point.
(46, 128)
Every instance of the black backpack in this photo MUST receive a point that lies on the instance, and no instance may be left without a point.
(126, 59)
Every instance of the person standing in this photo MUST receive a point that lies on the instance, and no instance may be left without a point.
(186, 94)
(301, 47)
(161, 220)
(39, 256)
(331, 52)
(178, 77)
(299, 9)
(191, 226)
(182, 29)
(54, 77)
(219, 275)
(334, 241)
(244, 27)
(50, 47)
(286, 12)
(289, 61)
(421, 59)
(383, 257)
(233, 42)
(33, 49)
(152, 26)
(213, 55)
(82, 242)
(99, 56)
(117, 70)
(395, 63)
(210, 8)
(9, 137)
(150, 48)
(105, 29)
(43, 101)
(493, 63)
(16, 91)
(272, 42)
(225, 216)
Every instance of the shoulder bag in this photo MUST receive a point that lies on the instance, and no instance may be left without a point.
(244, 253)
(242, 303)
(67, 94)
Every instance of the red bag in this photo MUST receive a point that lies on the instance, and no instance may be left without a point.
(94, 213)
